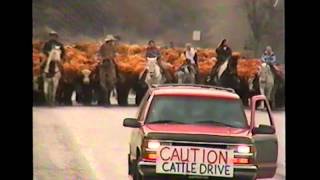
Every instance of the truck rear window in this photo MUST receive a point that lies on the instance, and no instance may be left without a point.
(195, 110)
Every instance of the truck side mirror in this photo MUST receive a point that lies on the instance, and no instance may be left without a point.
(131, 122)
(263, 129)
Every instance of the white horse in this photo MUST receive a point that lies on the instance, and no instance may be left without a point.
(186, 74)
(52, 75)
(266, 82)
(154, 75)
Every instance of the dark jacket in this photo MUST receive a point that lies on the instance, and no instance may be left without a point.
(50, 44)
(107, 51)
(223, 52)
(152, 52)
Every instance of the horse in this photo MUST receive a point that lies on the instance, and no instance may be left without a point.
(38, 95)
(278, 89)
(107, 73)
(153, 75)
(186, 74)
(265, 80)
(141, 87)
(253, 87)
(244, 91)
(226, 75)
(52, 75)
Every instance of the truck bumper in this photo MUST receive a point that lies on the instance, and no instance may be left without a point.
(148, 169)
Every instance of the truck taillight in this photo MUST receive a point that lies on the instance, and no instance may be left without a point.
(150, 147)
(243, 149)
(150, 156)
(240, 161)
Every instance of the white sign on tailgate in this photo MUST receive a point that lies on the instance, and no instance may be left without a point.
(197, 161)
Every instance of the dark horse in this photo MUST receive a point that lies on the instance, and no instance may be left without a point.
(226, 75)
(278, 90)
(141, 87)
(107, 75)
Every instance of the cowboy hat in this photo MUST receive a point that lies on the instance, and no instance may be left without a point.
(109, 38)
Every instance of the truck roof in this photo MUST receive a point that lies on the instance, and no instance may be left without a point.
(195, 90)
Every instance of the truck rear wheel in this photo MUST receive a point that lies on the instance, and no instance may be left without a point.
(136, 174)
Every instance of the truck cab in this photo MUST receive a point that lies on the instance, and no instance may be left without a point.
(199, 132)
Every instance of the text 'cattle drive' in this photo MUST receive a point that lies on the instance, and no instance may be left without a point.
(194, 161)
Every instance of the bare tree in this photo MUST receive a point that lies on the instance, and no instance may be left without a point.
(260, 16)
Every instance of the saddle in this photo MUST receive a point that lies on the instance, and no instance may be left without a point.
(104, 60)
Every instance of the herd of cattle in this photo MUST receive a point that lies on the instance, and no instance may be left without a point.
(80, 62)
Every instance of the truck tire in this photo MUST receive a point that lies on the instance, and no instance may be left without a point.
(248, 178)
(129, 165)
(136, 174)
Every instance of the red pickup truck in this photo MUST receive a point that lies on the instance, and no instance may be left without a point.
(199, 132)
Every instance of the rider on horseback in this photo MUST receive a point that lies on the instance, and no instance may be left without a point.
(191, 55)
(152, 50)
(224, 53)
(106, 57)
(52, 68)
(268, 56)
(53, 41)
(51, 44)
(107, 51)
